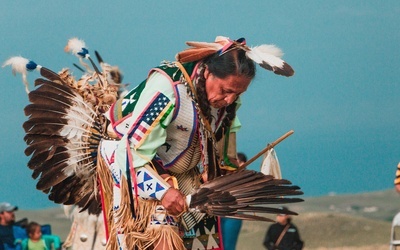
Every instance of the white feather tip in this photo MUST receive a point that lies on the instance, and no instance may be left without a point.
(18, 64)
(74, 45)
(269, 49)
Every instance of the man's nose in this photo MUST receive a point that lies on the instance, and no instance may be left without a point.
(230, 99)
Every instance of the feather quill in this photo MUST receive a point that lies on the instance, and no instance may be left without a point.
(215, 46)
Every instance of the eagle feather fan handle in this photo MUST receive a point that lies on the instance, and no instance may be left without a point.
(64, 127)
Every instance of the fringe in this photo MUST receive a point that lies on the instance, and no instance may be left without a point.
(70, 238)
(138, 233)
(106, 182)
(164, 237)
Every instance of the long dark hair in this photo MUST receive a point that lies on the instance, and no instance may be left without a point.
(233, 62)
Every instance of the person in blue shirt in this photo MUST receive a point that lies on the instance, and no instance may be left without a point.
(231, 227)
(7, 221)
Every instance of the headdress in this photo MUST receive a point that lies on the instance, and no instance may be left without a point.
(267, 56)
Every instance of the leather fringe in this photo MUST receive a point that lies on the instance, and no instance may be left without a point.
(138, 233)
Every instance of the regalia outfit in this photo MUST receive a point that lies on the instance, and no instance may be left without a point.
(159, 120)
(106, 152)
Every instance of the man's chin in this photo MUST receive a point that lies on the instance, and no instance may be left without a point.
(217, 105)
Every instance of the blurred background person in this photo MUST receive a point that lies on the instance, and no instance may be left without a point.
(397, 179)
(7, 221)
(38, 241)
(283, 235)
(231, 227)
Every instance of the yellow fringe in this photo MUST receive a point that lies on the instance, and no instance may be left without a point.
(137, 231)
(106, 181)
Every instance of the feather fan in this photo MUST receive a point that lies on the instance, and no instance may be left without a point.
(242, 194)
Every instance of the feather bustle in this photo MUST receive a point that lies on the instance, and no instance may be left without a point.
(54, 157)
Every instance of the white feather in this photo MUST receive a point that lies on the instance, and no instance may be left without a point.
(269, 54)
(74, 45)
(269, 49)
(18, 64)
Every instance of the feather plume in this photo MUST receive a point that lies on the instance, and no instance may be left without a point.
(78, 48)
(75, 46)
(246, 191)
(20, 65)
(268, 57)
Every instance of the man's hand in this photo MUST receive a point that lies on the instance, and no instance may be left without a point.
(174, 202)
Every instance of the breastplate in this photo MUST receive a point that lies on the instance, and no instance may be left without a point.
(181, 150)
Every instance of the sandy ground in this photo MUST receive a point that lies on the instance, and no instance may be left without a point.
(375, 247)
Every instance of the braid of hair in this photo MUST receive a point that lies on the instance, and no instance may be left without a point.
(202, 96)
(227, 122)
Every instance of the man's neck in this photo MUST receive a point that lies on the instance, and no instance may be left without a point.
(3, 223)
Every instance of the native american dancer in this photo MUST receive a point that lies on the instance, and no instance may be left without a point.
(161, 160)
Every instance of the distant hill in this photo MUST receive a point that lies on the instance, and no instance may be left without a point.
(381, 205)
(321, 230)
(357, 221)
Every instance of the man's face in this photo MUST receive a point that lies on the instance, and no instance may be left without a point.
(223, 92)
(282, 218)
(8, 218)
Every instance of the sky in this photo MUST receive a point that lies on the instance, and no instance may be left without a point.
(342, 103)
